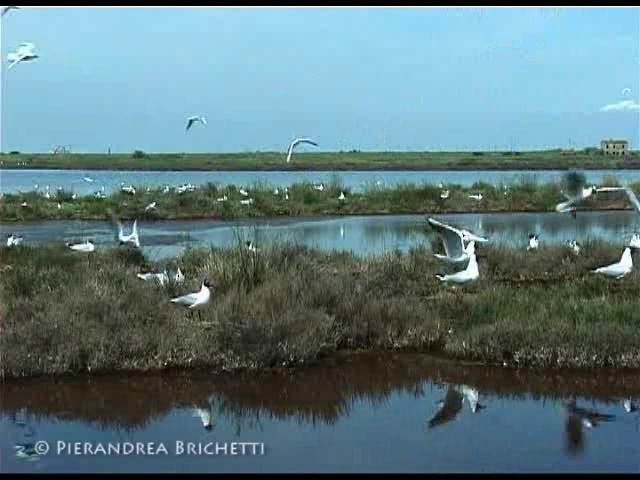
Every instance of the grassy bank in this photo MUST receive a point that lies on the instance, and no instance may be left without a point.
(64, 312)
(524, 195)
(354, 160)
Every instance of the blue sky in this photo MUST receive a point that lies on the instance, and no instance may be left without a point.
(368, 79)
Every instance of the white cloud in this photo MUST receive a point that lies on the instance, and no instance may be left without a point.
(622, 106)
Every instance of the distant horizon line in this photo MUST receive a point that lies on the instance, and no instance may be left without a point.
(315, 152)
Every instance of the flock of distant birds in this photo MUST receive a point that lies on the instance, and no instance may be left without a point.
(459, 245)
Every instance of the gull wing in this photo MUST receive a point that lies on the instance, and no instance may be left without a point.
(633, 199)
(451, 238)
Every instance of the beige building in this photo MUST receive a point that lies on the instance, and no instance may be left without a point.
(614, 147)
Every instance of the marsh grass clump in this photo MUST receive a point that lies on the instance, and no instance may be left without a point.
(288, 305)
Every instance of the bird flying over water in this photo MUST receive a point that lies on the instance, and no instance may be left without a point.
(297, 142)
(24, 53)
(132, 238)
(194, 119)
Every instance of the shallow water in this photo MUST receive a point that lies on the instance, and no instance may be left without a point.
(362, 235)
(368, 413)
(12, 181)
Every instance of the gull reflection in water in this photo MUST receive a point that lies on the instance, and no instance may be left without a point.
(577, 419)
(205, 412)
(453, 402)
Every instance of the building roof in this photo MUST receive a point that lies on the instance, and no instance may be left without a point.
(610, 140)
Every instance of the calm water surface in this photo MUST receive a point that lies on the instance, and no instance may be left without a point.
(362, 235)
(371, 413)
(12, 181)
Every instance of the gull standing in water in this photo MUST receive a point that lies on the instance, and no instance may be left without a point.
(194, 119)
(454, 240)
(197, 299)
(469, 274)
(619, 269)
(132, 238)
(297, 142)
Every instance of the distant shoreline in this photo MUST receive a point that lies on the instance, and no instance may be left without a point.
(325, 161)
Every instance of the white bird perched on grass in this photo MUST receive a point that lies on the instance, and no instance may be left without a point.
(295, 143)
(635, 241)
(151, 206)
(454, 240)
(444, 195)
(276, 191)
(243, 192)
(59, 206)
(197, 299)
(24, 53)
(246, 202)
(131, 239)
(251, 247)
(319, 187)
(619, 269)
(13, 240)
(179, 277)
(194, 119)
(476, 196)
(161, 278)
(7, 9)
(574, 246)
(222, 199)
(342, 196)
(24, 204)
(469, 274)
(534, 242)
(128, 189)
(85, 247)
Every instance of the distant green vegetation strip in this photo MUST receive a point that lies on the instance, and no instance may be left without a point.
(217, 202)
(354, 160)
(286, 305)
